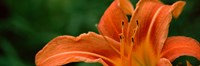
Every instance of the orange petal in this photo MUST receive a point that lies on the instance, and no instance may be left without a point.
(111, 21)
(164, 62)
(179, 46)
(87, 47)
(153, 18)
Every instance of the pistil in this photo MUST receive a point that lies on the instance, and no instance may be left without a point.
(130, 56)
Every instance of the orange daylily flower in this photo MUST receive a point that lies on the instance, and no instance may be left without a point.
(142, 41)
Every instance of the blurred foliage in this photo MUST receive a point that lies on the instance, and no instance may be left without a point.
(27, 25)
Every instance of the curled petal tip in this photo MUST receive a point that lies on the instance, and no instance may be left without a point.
(177, 8)
(126, 6)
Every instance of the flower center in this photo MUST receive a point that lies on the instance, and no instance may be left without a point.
(126, 48)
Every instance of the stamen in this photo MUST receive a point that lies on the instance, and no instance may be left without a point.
(122, 24)
(132, 40)
(122, 47)
(137, 22)
(120, 37)
(132, 44)
(130, 51)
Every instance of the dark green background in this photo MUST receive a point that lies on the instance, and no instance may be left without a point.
(27, 25)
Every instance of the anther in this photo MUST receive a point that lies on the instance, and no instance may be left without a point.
(122, 23)
(137, 22)
(132, 40)
(120, 37)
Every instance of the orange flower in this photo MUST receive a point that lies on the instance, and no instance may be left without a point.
(142, 41)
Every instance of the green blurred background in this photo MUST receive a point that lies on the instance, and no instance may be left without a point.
(27, 25)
